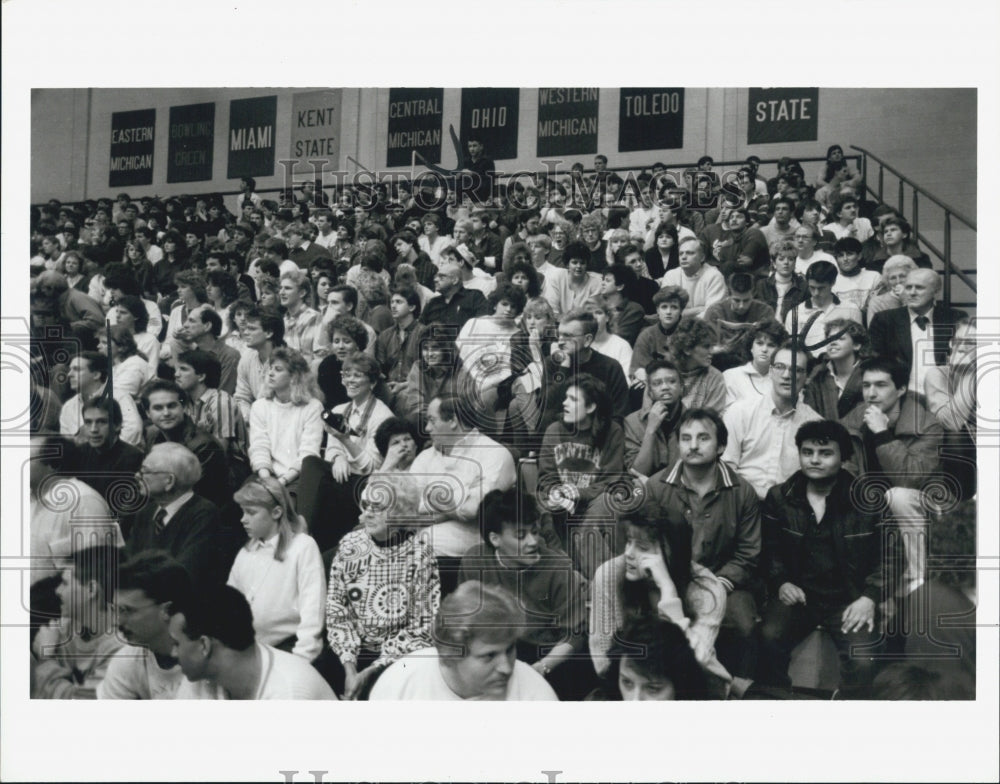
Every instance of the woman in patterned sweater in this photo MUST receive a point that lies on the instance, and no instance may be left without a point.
(384, 588)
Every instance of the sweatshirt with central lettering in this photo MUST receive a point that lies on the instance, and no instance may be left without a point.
(570, 456)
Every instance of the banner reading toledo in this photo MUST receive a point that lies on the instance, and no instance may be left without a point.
(316, 128)
(251, 137)
(567, 121)
(190, 143)
(651, 118)
(415, 119)
(132, 136)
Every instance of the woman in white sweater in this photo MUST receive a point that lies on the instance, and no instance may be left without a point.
(280, 570)
(285, 424)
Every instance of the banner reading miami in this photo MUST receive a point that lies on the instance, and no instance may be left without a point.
(567, 120)
(251, 137)
(415, 120)
(132, 138)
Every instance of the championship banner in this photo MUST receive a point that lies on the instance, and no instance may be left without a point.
(782, 114)
(316, 126)
(251, 137)
(651, 118)
(191, 141)
(132, 138)
(415, 120)
(490, 114)
(567, 121)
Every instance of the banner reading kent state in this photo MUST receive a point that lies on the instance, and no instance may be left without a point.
(191, 139)
(132, 138)
(415, 119)
(567, 120)
(782, 114)
(316, 128)
(251, 137)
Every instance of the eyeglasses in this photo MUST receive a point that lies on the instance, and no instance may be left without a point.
(143, 471)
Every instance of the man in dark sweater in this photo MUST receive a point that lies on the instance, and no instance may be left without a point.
(544, 582)
(104, 461)
(573, 356)
(175, 519)
(454, 304)
(824, 562)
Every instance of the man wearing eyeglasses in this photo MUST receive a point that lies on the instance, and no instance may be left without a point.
(762, 431)
(145, 669)
(176, 519)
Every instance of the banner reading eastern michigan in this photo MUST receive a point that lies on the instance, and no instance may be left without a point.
(132, 138)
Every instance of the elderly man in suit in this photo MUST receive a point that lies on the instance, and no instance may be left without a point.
(919, 332)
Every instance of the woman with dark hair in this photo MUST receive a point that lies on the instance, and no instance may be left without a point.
(220, 287)
(237, 320)
(130, 366)
(656, 578)
(663, 255)
(72, 264)
(131, 314)
(346, 335)
(524, 275)
(835, 155)
(582, 455)
(691, 349)
(652, 660)
(438, 372)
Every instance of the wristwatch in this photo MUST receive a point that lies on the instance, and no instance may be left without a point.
(546, 670)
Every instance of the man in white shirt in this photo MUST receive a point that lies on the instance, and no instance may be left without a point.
(467, 463)
(783, 224)
(326, 236)
(761, 445)
(88, 377)
(214, 642)
(146, 668)
(703, 283)
(475, 632)
(848, 224)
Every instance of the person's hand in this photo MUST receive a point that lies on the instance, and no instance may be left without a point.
(339, 469)
(876, 419)
(790, 594)
(657, 413)
(539, 667)
(563, 497)
(394, 456)
(356, 686)
(263, 473)
(652, 566)
(394, 386)
(639, 480)
(743, 260)
(859, 614)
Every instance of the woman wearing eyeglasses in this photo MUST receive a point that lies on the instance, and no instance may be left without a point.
(384, 587)
(328, 487)
(279, 570)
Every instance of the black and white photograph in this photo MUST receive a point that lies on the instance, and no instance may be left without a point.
(424, 383)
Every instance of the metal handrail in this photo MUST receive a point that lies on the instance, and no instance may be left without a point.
(949, 212)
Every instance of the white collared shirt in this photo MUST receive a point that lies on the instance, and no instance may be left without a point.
(172, 508)
(923, 350)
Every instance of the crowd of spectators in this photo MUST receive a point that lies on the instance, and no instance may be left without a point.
(596, 436)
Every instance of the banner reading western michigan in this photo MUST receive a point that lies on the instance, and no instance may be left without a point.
(651, 118)
(567, 121)
(316, 128)
(191, 139)
(415, 120)
(490, 115)
(132, 138)
(782, 115)
(251, 137)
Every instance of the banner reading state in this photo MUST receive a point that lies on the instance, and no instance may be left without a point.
(415, 120)
(567, 120)
(132, 138)
(316, 127)
(786, 114)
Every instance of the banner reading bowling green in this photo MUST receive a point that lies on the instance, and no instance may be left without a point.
(651, 118)
(786, 114)
(251, 137)
(191, 140)
(567, 121)
(132, 138)
(490, 115)
(415, 119)
(316, 126)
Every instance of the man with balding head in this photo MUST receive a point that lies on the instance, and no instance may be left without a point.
(917, 334)
(175, 519)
